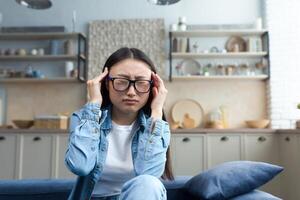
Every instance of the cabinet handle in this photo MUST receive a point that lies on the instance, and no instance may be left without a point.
(186, 139)
(262, 139)
(287, 139)
(37, 139)
(2, 138)
(224, 138)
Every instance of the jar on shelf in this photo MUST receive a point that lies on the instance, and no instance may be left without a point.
(244, 69)
(195, 47)
(211, 69)
(260, 68)
(229, 70)
(220, 70)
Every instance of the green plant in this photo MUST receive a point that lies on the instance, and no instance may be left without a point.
(298, 106)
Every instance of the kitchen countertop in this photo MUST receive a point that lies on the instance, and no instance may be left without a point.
(177, 131)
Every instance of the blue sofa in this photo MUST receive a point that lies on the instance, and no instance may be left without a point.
(56, 189)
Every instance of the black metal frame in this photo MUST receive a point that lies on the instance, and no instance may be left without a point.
(266, 47)
(82, 73)
(170, 56)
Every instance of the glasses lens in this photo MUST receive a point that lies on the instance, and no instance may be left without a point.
(142, 86)
(120, 84)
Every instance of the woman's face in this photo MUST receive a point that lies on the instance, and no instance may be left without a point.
(129, 100)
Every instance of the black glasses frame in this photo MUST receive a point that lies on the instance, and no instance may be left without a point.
(112, 79)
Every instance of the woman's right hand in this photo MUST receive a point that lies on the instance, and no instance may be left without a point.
(94, 86)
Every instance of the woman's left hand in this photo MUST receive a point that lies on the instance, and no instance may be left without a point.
(159, 92)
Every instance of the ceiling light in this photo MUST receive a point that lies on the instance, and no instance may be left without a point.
(163, 2)
(35, 4)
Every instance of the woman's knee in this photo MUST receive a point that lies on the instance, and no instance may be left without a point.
(146, 183)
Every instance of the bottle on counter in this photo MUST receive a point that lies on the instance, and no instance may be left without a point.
(224, 115)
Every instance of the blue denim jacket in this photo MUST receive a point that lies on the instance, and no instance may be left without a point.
(87, 149)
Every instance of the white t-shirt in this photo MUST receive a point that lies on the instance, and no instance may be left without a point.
(118, 167)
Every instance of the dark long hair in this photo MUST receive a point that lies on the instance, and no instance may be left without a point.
(133, 53)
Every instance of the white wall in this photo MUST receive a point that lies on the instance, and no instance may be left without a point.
(196, 11)
(283, 90)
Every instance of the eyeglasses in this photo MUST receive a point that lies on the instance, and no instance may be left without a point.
(122, 84)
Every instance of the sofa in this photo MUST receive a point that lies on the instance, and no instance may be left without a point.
(56, 189)
(236, 180)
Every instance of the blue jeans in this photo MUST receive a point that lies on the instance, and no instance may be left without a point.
(144, 187)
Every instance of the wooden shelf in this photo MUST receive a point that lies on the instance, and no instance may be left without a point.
(258, 77)
(220, 55)
(39, 36)
(39, 80)
(218, 33)
(41, 58)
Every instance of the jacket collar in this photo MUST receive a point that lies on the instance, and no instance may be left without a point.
(107, 122)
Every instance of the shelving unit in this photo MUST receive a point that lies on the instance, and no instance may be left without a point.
(38, 80)
(212, 55)
(186, 78)
(79, 57)
(220, 55)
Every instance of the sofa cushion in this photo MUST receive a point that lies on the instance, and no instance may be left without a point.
(254, 195)
(231, 179)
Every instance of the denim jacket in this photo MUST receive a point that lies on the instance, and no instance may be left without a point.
(87, 149)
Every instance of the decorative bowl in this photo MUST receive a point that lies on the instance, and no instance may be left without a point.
(23, 124)
(262, 123)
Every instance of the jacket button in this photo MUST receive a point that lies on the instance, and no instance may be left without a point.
(93, 148)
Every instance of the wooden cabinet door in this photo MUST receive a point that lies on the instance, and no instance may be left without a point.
(8, 156)
(290, 160)
(187, 154)
(36, 156)
(223, 148)
(61, 169)
(265, 148)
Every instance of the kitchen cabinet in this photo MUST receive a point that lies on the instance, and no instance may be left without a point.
(53, 52)
(33, 155)
(265, 148)
(207, 48)
(290, 160)
(222, 148)
(36, 157)
(8, 151)
(187, 154)
(61, 169)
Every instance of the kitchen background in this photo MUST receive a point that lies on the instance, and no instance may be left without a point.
(251, 97)
(275, 98)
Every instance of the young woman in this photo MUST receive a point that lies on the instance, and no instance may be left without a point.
(118, 143)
